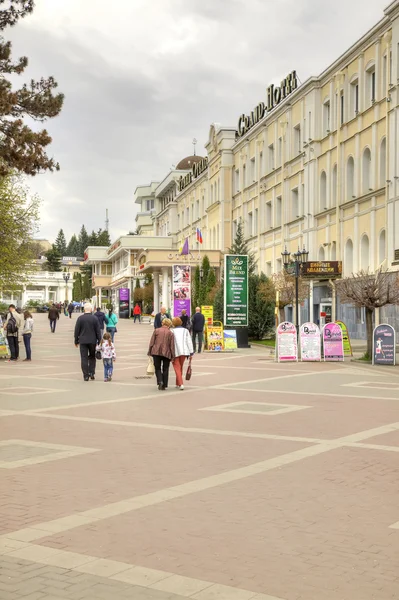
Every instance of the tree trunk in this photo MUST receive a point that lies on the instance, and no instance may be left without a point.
(369, 330)
(281, 315)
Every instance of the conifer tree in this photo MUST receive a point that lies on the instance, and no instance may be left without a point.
(73, 247)
(83, 240)
(53, 262)
(60, 243)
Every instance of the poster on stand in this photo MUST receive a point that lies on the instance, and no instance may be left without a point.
(310, 339)
(230, 339)
(333, 344)
(181, 289)
(215, 339)
(124, 297)
(207, 311)
(384, 345)
(287, 346)
(346, 339)
(236, 290)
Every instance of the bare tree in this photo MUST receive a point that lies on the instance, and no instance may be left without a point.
(370, 291)
(284, 283)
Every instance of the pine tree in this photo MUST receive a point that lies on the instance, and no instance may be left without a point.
(60, 243)
(138, 283)
(93, 239)
(22, 148)
(73, 247)
(53, 262)
(260, 312)
(82, 241)
(77, 287)
(103, 238)
(240, 246)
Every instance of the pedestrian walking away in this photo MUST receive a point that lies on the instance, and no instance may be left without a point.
(159, 317)
(101, 318)
(108, 355)
(53, 315)
(27, 332)
(12, 327)
(87, 337)
(185, 318)
(162, 350)
(137, 313)
(183, 349)
(111, 321)
(197, 326)
(71, 308)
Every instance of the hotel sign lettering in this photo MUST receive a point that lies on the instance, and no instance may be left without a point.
(274, 95)
(322, 269)
(198, 168)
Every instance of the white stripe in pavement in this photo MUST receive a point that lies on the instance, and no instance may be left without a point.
(230, 387)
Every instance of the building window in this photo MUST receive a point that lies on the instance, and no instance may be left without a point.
(279, 211)
(383, 162)
(350, 178)
(280, 152)
(188, 216)
(384, 76)
(234, 229)
(354, 97)
(333, 251)
(297, 140)
(323, 191)
(178, 222)
(334, 186)
(106, 269)
(326, 117)
(250, 225)
(269, 223)
(261, 163)
(348, 262)
(253, 175)
(390, 82)
(364, 253)
(149, 205)
(366, 170)
(271, 157)
(294, 204)
(370, 86)
(198, 210)
(278, 265)
(256, 221)
(268, 269)
(244, 176)
(322, 254)
(381, 248)
(236, 181)
(342, 107)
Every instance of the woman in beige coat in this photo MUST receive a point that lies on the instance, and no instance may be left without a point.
(162, 350)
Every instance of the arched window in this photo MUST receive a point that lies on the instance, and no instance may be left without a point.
(383, 162)
(322, 254)
(350, 178)
(381, 248)
(364, 253)
(323, 191)
(334, 186)
(348, 263)
(366, 170)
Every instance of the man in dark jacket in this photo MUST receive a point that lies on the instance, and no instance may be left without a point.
(101, 319)
(197, 325)
(53, 315)
(87, 336)
(71, 308)
(159, 317)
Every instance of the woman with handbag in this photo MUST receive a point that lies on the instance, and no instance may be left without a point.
(183, 349)
(162, 350)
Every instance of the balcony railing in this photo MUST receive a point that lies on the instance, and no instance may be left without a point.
(124, 273)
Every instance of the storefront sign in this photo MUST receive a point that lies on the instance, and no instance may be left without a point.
(346, 339)
(207, 311)
(322, 269)
(197, 170)
(230, 339)
(287, 347)
(310, 340)
(333, 346)
(274, 96)
(181, 289)
(124, 297)
(236, 290)
(215, 339)
(384, 345)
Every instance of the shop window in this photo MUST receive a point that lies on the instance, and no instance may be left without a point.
(348, 258)
(326, 117)
(383, 162)
(323, 191)
(364, 253)
(350, 178)
(366, 170)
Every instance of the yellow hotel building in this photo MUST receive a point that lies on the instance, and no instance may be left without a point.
(312, 165)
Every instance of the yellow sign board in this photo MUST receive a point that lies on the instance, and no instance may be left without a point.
(207, 311)
(215, 339)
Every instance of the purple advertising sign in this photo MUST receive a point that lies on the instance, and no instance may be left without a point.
(181, 289)
(384, 345)
(333, 343)
(124, 296)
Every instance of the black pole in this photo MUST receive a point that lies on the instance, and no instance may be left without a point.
(297, 295)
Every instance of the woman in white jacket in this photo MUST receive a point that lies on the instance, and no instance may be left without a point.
(183, 349)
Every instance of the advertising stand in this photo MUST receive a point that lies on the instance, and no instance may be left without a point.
(310, 340)
(333, 345)
(384, 345)
(287, 345)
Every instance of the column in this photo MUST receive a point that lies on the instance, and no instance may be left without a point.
(46, 297)
(23, 299)
(165, 292)
(156, 291)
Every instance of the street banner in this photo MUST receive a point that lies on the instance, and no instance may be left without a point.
(207, 311)
(384, 345)
(215, 339)
(236, 290)
(310, 339)
(181, 289)
(333, 345)
(230, 339)
(124, 297)
(346, 339)
(287, 346)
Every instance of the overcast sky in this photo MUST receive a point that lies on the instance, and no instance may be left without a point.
(142, 78)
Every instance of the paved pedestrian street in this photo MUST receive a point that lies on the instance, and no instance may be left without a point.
(259, 481)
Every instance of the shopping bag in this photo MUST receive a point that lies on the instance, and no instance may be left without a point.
(150, 366)
(189, 371)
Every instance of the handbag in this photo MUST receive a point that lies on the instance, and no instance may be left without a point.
(150, 367)
(98, 354)
(189, 371)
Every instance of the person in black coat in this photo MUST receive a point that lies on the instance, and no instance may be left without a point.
(197, 328)
(159, 317)
(87, 336)
(101, 319)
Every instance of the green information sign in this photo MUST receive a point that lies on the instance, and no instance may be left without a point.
(236, 290)
(346, 339)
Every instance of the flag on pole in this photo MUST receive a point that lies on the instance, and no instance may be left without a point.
(184, 250)
(199, 236)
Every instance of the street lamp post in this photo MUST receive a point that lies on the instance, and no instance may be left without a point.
(293, 265)
(66, 277)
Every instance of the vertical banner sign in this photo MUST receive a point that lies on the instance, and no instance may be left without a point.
(384, 345)
(181, 289)
(236, 290)
(124, 296)
(346, 339)
(207, 311)
(333, 344)
(310, 339)
(287, 347)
